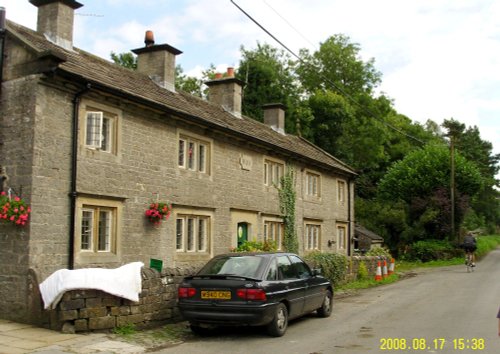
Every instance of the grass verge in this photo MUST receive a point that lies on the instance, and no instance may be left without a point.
(485, 244)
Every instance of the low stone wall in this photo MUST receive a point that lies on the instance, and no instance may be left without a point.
(95, 310)
(371, 263)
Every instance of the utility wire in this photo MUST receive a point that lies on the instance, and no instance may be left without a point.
(349, 97)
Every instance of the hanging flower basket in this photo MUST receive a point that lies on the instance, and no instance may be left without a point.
(157, 212)
(13, 210)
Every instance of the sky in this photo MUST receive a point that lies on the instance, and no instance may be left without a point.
(438, 59)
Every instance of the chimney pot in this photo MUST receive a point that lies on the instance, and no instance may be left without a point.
(230, 72)
(149, 39)
(218, 76)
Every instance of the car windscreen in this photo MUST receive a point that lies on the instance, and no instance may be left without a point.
(245, 266)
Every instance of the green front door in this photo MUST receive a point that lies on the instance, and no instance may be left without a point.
(242, 233)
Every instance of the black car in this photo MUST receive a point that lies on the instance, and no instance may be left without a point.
(255, 289)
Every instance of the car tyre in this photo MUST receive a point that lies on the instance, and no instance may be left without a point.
(277, 327)
(326, 308)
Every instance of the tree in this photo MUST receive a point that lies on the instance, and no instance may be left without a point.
(127, 60)
(269, 78)
(337, 66)
(422, 181)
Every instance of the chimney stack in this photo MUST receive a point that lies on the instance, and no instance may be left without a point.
(157, 61)
(274, 116)
(55, 20)
(227, 92)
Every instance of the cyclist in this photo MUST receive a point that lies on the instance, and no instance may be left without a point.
(470, 247)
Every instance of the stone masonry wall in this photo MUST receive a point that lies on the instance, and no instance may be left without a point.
(95, 310)
(371, 263)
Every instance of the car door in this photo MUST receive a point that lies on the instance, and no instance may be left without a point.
(294, 288)
(314, 290)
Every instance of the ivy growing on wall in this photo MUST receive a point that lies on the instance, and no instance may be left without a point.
(287, 198)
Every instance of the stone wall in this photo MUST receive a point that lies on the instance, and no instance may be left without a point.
(95, 310)
(371, 263)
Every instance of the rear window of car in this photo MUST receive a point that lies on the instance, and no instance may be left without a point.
(246, 266)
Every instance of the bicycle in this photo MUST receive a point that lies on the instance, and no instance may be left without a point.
(469, 262)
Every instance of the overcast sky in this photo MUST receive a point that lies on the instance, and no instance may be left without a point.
(439, 59)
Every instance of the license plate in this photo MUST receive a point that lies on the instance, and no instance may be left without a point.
(215, 295)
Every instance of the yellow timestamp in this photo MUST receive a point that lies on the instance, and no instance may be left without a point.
(436, 344)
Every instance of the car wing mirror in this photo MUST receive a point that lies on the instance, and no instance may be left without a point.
(316, 271)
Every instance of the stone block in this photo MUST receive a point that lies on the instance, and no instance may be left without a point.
(105, 322)
(93, 312)
(68, 315)
(111, 301)
(72, 304)
(93, 302)
(81, 325)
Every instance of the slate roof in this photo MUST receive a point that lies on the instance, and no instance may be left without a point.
(360, 230)
(134, 85)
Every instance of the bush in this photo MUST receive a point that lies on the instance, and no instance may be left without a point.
(333, 265)
(432, 250)
(363, 271)
(486, 244)
(379, 251)
(256, 246)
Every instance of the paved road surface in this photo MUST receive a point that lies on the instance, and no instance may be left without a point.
(442, 309)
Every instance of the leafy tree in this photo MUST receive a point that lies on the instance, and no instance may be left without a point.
(127, 60)
(422, 181)
(337, 66)
(269, 78)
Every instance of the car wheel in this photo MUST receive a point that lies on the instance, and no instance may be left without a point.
(326, 309)
(277, 327)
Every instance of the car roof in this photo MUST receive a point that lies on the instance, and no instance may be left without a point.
(260, 254)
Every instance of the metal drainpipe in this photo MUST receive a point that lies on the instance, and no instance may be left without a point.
(349, 228)
(74, 166)
(2, 42)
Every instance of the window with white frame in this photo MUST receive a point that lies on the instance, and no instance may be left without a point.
(273, 172)
(100, 131)
(313, 186)
(341, 237)
(313, 233)
(274, 231)
(194, 154)
(192, 233)
(98, 230)
(341, 191)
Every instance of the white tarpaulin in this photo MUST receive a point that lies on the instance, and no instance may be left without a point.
(123, 282)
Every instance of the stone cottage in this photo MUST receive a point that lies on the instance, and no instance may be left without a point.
(90, 145)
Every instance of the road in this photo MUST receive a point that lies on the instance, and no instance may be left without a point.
(445, 310)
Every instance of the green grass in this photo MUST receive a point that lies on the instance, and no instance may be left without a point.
(485, 244)
(126, 330)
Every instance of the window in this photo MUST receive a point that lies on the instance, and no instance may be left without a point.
(97, 229)
(341, 237)
(273, 171)
(312, 184)
(192, 233)
(274, 231)
(312, 236)
(194, 154)
(100, 130)
(341, 190)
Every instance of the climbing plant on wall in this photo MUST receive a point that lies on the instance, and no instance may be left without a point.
(287, 196)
